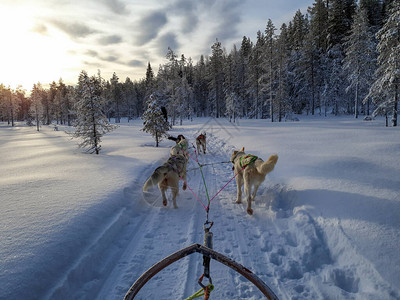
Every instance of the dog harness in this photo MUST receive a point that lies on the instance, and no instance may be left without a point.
(247, 160)
(183, 145)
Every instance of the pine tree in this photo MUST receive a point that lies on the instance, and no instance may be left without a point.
(9, 104)
(232, 83)
(217, 78)
(374, 12)
(154, 121)
(116, 96)
(282, 71)
(269, 66)
(200, 89)
(386, 88)
(36, 109)
(360, 60)
(255, 74)
(129, 93)
(91, 123)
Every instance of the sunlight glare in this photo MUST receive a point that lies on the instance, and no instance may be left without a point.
(27, 57)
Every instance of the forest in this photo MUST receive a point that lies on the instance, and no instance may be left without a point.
(340, 57)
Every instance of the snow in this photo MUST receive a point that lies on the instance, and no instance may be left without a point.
(325, 226)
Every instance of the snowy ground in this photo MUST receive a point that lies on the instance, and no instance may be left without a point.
(326, 221)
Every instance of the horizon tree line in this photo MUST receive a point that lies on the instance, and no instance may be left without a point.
(341, 57)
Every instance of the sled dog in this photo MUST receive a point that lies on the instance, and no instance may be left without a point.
(201, 142)
(167, 176)
(251, 172)
(181, 147)
(177, 139)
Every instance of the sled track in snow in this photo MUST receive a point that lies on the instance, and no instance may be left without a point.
(281, 243)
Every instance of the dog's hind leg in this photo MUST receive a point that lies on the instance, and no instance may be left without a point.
(247, 190)
(253, 195)
(164, 197)
(163, 186)
(239, 183)
(174, 192)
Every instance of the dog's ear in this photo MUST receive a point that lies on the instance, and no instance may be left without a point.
(242, 150)
(235, 152)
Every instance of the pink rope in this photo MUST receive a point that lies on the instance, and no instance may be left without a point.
(194, 193)
(196, 160)
(224, 186)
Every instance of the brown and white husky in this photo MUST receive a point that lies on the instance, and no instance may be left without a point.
(201, 142)
(251, 172)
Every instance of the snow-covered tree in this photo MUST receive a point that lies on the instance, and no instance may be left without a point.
(9, 104)
(386, 88)
(154, 121)
(130, 96)
(360, 59)
(282, 71)
(91, 123)
(269, 66)
(217, 78)
(36, 109)
(255, 75)
(116, 96)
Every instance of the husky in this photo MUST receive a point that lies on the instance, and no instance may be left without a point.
(201, 142)
(177, 139)
(181, 147)
(167, 176)
(251, 172)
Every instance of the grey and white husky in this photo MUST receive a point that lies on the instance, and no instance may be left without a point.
(168, 176)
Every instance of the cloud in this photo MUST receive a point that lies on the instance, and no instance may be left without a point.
(117, 6)
(110, 39)
(92, 64)
(110, 58)
(136, 63)
(150, 25)
(74, 30)
(187, 10)
(229, 13)
(165, 41)
(40, 28)
(92, 53)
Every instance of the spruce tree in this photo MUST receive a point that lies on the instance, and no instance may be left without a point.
(386, 88)
(91, 123)
(360, 60)
(217, 78)
(154, 121)
(36, 109)
(269, 63)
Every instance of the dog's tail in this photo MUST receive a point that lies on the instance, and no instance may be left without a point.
(155, 178)
(268, 165)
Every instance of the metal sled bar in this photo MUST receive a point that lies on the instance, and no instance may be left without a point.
(142, 280)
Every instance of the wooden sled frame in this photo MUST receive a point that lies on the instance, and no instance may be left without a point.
(142, 280)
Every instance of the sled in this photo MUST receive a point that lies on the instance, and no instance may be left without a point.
(208, 254)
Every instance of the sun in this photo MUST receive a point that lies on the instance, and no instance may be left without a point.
(27, 56)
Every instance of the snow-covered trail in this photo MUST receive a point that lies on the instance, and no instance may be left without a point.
(281, 243)
(298, 252)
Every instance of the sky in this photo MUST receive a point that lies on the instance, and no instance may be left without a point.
(45, 40)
